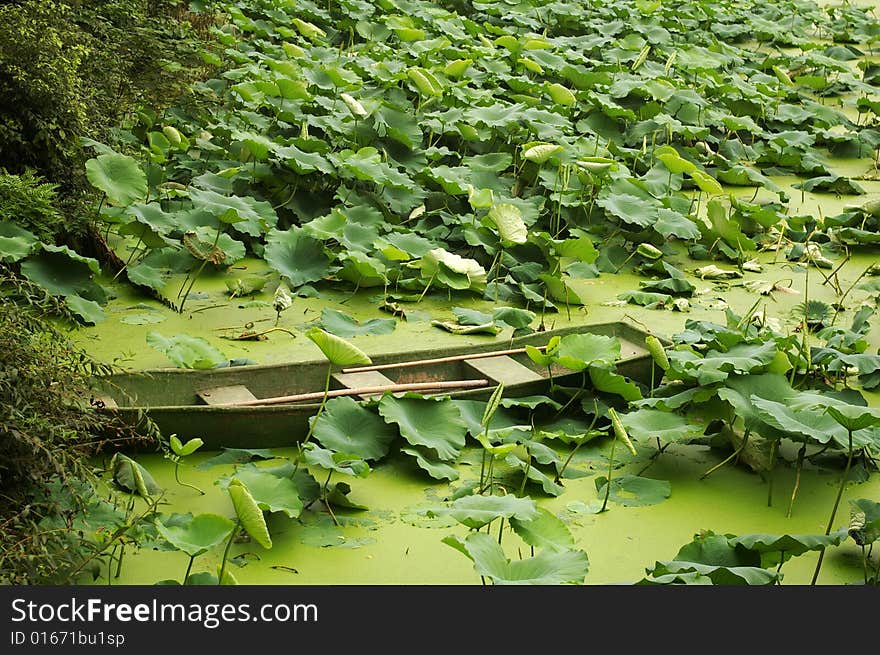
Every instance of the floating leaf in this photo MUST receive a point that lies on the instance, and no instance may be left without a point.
(186, 351)
(635, 491)
(345, 325)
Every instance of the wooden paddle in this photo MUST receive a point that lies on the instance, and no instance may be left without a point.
(437, 360)
(393, 388)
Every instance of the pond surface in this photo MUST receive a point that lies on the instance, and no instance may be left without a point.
(396, 542)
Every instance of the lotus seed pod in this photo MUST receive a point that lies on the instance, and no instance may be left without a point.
(620, 431)
(658, 352)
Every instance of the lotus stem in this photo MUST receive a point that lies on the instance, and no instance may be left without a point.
(181, 482)
(580, 443)
(188, 568)
(317, 415)
(610, 469)
(773, 448)
(840, 488)
(797, 479)
(226, 551)
(735, 454)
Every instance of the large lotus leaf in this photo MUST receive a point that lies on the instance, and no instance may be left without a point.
(716, 365)
(88, 310)
(800, 425)
(514, 317)
(346, 325)
(853, 417)
(346, 426)
(706, 182)
(630, 209)
(15, 242)
(673, 396)
(775, 547)
(432, 466)
(648, 424)
(578, 351)
(232, 249)
(199, 535)
(336, 349)
(362, 270)
(186, 351)
(472, 411)
(673, 161)
(247, 215)
(508, 219)
(344, 463)
(434, 424)
(63, 272)
(671, 223)
(152, 216)
(546, 530)
(716, 549)
(272, 490)
(476, 511)
(297, 256)
(546, 568)
(120, 177)
(634, 491)
(249, 513)
(607, 381)
(143, 274)
(719, 575)
(453, 270)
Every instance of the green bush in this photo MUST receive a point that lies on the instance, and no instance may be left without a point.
(31, 203)
(48, 432)
(76, 68)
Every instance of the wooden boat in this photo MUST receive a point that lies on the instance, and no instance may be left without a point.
(265, 406)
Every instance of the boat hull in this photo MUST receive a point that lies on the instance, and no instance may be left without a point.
(170, 397)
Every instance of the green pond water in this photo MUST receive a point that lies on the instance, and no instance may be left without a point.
(394, 541)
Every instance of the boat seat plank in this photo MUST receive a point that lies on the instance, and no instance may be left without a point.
(225, 395)
(504, 368)
(363, 379)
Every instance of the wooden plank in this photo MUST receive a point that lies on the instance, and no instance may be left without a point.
(504, 369)
(226, 395)
(365, 379)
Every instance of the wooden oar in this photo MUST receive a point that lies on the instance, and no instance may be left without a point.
(437, 360)
(393, 388)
